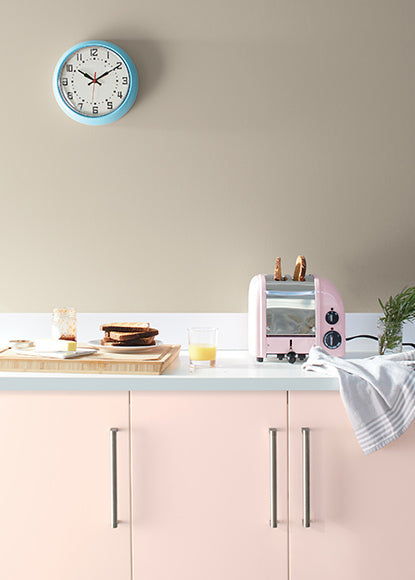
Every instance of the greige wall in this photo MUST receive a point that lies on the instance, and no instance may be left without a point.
(263, 128)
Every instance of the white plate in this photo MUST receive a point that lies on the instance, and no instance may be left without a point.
(123, 349)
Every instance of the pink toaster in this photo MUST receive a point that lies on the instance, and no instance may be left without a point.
(286, 318)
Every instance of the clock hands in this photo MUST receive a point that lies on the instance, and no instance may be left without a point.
(104, 74)
(94, 80)
(88, 76)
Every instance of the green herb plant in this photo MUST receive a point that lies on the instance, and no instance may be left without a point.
(396, 311)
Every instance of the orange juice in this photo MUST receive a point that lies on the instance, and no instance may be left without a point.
(202, 346)
(202, 351)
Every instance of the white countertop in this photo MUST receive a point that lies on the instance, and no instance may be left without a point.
(235, 371)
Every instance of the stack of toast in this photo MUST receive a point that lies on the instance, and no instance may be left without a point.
(128, 334)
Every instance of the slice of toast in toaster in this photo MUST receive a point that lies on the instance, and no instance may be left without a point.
(300, 269)
(277, 270)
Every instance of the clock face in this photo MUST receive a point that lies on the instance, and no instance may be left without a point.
(94, 81)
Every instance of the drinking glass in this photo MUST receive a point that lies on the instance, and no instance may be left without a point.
(202, 346)
(64, 324)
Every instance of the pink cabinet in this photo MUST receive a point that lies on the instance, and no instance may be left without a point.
(55, 492)
(201, 490)
(206, 472)
(201, 486)
(362, 508)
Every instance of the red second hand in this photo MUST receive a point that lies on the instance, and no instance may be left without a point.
(93, 87)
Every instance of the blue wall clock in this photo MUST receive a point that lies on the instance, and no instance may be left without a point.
(95, 82)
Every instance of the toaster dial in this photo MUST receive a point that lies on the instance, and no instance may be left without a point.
(291, 356)
(332, 317)
(332, 339)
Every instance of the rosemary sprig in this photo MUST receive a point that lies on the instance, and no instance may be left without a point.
(397, 310)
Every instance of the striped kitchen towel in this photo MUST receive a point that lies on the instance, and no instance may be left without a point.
(378, 393)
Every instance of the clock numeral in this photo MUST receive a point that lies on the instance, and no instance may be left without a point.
(95, 110)
(80, 105)
(124, 80)
(65, 82)
(70, 95)
(109, 105)
(69, 67)
(94, 52)
(119, 64)
(79, 56)
(108, 54)
(119, 94)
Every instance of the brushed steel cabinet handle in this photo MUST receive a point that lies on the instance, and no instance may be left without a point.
(273, 477)
(306, 476)
(114, 493)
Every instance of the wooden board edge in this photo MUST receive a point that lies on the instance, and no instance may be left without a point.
(166, 363)
(161, 366)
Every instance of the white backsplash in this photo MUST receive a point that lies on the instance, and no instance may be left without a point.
(233, 327)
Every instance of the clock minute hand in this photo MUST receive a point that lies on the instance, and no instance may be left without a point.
(104, 74)
(87, 76)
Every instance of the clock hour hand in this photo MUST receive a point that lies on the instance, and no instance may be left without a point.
(104, 74)
(88, 76)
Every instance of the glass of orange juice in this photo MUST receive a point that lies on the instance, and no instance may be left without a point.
(202, 346)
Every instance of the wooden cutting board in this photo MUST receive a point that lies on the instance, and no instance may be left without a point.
(154, 362)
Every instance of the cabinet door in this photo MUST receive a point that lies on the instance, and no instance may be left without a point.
(362, 508)
(201, 486)
(55, 486)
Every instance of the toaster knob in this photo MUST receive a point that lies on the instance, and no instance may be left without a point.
(332, 339)
(332, 317)
(291, 357)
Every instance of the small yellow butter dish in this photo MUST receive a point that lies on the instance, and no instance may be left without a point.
(20, 344)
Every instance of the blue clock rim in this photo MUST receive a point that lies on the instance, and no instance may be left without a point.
(122, 109)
